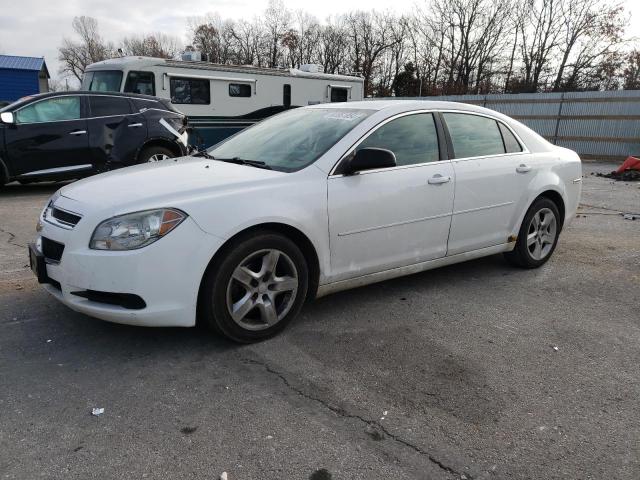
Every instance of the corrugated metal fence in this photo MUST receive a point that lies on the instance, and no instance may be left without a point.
(597, 125)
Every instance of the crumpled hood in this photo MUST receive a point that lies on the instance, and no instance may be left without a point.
(164, 183)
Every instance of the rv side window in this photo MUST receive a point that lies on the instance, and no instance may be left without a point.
(239, 90)
(140, 82)
(338, 94)
(286, 95)
(190, 91)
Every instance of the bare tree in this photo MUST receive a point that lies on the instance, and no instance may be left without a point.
(591, 29)
(370, 35)
(276, 21)
(333, 42)
(540, 28)
(151, 45)
(90, 48)
(631, 73)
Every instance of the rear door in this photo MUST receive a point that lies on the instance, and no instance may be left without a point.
(116, 133)
(492, 173)
(391, 217)
(49, 138)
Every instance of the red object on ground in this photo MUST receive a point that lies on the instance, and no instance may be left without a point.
(631, 163)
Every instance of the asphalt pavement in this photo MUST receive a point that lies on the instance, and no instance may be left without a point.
(477, 371)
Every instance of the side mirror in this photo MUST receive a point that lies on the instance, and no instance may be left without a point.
(369, 158)
(7, 117)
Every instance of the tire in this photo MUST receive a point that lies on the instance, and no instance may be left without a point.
(155, 154)
(538, 235)
(244, 280)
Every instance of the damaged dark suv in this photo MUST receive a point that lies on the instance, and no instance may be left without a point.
(69, 135)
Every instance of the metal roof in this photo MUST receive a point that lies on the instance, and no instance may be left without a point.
(21, 63)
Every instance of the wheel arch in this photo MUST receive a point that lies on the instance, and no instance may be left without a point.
(556, 198)
(160, 142)
(297, 236)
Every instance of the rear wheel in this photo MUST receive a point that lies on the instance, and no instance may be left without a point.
(538, 235)
(256, 289)
(155, 154)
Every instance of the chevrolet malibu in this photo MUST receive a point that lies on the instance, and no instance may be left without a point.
(306, 203)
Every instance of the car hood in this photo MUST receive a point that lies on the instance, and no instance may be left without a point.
(154, 184)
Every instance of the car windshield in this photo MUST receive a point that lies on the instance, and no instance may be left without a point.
(102, 81)
(293, 139)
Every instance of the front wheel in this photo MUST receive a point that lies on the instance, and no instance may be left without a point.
(155, 154)
(256, 288)
(538, 235)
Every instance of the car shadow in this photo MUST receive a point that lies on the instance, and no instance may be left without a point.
(16, 189)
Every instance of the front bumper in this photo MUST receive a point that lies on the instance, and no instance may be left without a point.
(165, 274)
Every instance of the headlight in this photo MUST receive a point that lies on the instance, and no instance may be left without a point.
(135, 230)
(50, 203)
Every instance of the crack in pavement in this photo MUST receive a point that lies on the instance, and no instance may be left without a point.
(11, 239)
(343, 413)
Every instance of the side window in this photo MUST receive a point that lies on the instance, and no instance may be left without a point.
(412, 138)
(140, 82)
(50, 110)
(139, 104)
(104, 106)
(473, 135)
(193, 91)
(339, 94)
(286, 95)
(239, 90)
(511, 144)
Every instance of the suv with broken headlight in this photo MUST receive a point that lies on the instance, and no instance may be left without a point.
(68, 135)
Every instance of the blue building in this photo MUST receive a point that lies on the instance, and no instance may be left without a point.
(22, 76)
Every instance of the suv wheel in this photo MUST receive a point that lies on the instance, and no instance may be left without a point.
(538, 235)
(256, 289)
(155, 154)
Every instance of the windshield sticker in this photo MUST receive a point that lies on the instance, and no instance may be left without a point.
(348, 116)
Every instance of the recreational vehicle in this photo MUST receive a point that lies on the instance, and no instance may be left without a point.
(220, 100)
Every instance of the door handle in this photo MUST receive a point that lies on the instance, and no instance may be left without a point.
(134, 125)
(438, 179)
(522, 168)
(78, 132)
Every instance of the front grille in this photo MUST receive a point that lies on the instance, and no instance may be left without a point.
(52, 250)
(65, 217)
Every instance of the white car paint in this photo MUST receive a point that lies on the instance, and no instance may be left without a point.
(364, 228)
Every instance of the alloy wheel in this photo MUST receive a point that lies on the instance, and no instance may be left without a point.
(262, 289)
(541, 234)
(157, 157)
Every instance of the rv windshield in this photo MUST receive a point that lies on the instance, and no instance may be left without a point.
(102, 81)
(291, 140)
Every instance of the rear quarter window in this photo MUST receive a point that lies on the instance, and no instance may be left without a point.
(511, 144)
(106, 106)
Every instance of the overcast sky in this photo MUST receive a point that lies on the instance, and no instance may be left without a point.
(36, 27)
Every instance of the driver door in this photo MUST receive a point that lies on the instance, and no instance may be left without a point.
(49, 136)
(397, 216)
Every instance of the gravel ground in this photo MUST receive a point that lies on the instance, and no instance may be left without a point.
(477, 370)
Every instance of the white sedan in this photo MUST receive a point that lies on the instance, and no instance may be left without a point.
(305, 203)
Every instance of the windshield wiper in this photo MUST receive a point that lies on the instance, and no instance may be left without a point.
(242, 161)
(203, 153)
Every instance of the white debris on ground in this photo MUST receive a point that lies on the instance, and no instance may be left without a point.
(97, 411)
(555, 349)
(223, 476)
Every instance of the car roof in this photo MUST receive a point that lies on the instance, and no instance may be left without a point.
(406, 105)
(393, 107)
(40, 96)
(93, 92)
